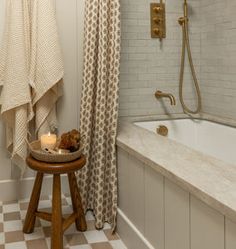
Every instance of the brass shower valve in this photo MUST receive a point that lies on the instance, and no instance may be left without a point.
(158, 24)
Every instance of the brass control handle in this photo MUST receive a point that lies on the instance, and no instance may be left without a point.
(157, 20)
(156, 31)
(157, 9)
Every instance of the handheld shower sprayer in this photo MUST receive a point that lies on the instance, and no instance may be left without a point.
(183, 21)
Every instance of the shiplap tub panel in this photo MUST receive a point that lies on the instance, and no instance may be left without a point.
(177, 219)
(230, 234)
(154, 208)
(207, 226)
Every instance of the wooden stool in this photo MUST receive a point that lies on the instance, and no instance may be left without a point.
(59, 224)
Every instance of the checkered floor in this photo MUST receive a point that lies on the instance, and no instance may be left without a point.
(11, 236)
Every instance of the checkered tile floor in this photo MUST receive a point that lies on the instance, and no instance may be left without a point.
(11, 236)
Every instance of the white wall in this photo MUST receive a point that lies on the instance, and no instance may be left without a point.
(218, 57)
(147, 65)
(70, 24)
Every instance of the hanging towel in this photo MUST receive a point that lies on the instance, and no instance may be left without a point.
(14, 67)
(31, 70)
(46, 65)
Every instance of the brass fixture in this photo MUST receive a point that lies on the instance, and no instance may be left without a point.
(183, 21)
(162, 130)
(160, 94)
(158, 23)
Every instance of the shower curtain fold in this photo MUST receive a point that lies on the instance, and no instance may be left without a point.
(99, 109)
(30, 72)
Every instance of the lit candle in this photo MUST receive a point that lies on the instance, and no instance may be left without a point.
(48, 141)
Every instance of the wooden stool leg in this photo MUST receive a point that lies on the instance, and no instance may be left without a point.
(57, 234)
(77, 203)
(33, 205)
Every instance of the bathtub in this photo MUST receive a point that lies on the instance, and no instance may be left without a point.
(210, 138)
(177, 191)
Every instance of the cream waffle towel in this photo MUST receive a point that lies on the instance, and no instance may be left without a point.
(30, 71)
(46, 67)
(14, 68)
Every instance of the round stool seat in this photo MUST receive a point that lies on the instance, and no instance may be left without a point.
(56, 168)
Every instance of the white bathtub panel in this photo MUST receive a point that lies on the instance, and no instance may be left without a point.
(154, 208)
(135, 189)
(230, 234)
(177, 230)
(123, 180)
(207, 226)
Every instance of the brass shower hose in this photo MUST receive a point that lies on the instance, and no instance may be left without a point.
(186, 43)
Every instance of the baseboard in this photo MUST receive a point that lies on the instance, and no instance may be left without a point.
(11, 190)
(129, 233)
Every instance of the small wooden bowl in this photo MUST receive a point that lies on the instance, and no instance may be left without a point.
(40, 155)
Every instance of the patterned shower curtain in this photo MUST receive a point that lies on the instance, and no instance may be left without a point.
(99, 109)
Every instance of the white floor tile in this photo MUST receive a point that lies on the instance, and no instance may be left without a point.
(69, 201)
(89, 215)
(10, 226)
(95, 236)
(23, 214)
(107, 226)
(45, 223)
(118, 244)
(81, 247)
(48, 242)
(17, 245)
(24, 200)
(37, 234)
(67, 210)
(45, 204)
(11, 208)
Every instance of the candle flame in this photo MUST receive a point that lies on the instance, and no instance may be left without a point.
(49, 134)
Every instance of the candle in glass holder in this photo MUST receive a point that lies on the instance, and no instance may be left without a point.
(48, 141)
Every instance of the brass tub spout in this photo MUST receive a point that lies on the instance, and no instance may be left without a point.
(160, 94)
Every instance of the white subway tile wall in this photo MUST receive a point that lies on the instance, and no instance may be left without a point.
(148, 65)
(218, 57)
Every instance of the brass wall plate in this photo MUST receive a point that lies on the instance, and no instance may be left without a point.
(158, 20)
